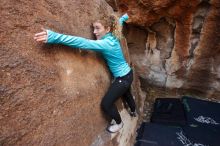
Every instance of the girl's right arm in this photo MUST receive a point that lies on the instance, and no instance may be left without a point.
(48, 36)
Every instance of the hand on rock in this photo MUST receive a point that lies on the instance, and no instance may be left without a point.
(41, 36)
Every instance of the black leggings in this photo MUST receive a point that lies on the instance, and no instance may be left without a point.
(121, 86)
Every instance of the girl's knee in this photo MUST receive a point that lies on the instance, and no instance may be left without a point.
(104, 106)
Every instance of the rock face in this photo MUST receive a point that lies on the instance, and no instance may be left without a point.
(51, 94)
(175, 43)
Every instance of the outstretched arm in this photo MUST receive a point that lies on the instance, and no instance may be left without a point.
(48, 36)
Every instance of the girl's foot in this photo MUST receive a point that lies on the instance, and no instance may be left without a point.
(115, 127)
(133, 114)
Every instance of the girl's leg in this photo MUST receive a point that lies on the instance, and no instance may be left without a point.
(116, 90)
(129, 100)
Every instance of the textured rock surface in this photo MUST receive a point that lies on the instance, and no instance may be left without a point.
(50, 94)
(177, 43)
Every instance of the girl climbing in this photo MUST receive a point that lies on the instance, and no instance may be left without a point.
(108, 34)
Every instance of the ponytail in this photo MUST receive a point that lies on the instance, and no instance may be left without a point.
(116, 27)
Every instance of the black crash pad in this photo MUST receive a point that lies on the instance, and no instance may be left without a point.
(169, 111)
(201, 112)
(202, 136)
(150, 134)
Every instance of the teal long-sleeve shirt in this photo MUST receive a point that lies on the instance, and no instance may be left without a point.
(108, 46)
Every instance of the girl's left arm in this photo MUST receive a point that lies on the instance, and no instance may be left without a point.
(123, 18)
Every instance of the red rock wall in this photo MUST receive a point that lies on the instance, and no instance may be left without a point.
(50, 94)
(175, 43)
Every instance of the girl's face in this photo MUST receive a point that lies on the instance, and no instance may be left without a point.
(99, 30)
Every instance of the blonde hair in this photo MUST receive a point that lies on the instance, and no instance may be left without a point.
(112, 22)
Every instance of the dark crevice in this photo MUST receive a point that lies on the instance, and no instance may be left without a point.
(197, 25)
(164, 30)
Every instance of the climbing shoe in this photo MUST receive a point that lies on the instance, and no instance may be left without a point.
(115, 127)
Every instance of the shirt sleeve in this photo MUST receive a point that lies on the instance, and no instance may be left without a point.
(76, 42)
(123, 19)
